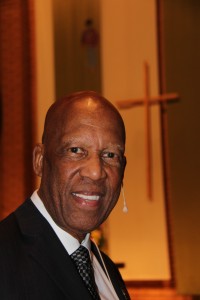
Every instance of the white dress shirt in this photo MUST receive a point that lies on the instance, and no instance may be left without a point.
(105, 287)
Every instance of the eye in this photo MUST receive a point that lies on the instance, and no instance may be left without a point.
(111, 158)
(75, 152)
(111, 155)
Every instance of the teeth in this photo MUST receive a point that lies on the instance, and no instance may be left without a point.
(87, 197)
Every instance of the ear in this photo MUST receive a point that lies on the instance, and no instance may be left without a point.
(124, 167)
(38, 159)
(124, 162)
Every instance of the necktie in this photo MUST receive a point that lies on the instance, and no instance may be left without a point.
(82, 261)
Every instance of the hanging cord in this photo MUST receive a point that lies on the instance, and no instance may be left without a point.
(99, 252)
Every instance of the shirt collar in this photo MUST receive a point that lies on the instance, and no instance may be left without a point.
(69, 242)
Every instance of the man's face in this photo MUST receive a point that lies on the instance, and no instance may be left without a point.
(83, 167)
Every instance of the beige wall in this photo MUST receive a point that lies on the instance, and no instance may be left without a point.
(128, 39)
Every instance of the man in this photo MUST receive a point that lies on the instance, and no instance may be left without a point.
(81, 164)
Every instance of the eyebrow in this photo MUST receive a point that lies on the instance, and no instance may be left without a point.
(116, 145)
(77, 139)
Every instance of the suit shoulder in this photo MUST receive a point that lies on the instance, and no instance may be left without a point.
(8, 227)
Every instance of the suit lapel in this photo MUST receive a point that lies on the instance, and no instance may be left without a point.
(115, 277)
(46, 249)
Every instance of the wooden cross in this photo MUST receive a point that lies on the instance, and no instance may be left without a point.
(147, 101)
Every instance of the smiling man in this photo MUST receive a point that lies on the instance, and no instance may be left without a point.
(81, 163)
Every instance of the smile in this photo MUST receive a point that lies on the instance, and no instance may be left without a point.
(87, 197)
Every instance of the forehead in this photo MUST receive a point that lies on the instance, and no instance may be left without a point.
(88, 113)
(93, 121)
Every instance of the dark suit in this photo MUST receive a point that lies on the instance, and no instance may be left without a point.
(35, 265)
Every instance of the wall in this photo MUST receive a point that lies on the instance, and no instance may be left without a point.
(138, 239)
(17, 103)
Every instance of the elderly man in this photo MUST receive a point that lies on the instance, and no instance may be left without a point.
(45, 247)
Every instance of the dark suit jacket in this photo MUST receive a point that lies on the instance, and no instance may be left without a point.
(35, 265)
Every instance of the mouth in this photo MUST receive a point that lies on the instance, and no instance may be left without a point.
(87, 199)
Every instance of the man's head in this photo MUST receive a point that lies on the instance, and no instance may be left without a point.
(81, 161)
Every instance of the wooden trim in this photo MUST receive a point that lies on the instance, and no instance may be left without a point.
(29, 90)
(164, 135)
(149, 283)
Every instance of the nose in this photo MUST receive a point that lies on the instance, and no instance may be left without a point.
(93, 168)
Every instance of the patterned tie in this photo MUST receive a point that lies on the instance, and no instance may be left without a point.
(82, 261)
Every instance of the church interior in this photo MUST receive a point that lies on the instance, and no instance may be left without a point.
(144, 56)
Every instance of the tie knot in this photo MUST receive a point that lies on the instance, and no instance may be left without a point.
(81, 255)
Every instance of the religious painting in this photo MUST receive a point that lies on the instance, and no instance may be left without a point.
(77, 46)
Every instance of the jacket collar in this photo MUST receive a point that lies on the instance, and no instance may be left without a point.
(114, 275)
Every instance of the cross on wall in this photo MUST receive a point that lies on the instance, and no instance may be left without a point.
(147, 101)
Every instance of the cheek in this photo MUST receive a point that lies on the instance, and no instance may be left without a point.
(65, 177)
(57, 170)
(53, 177)
(115, 179)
